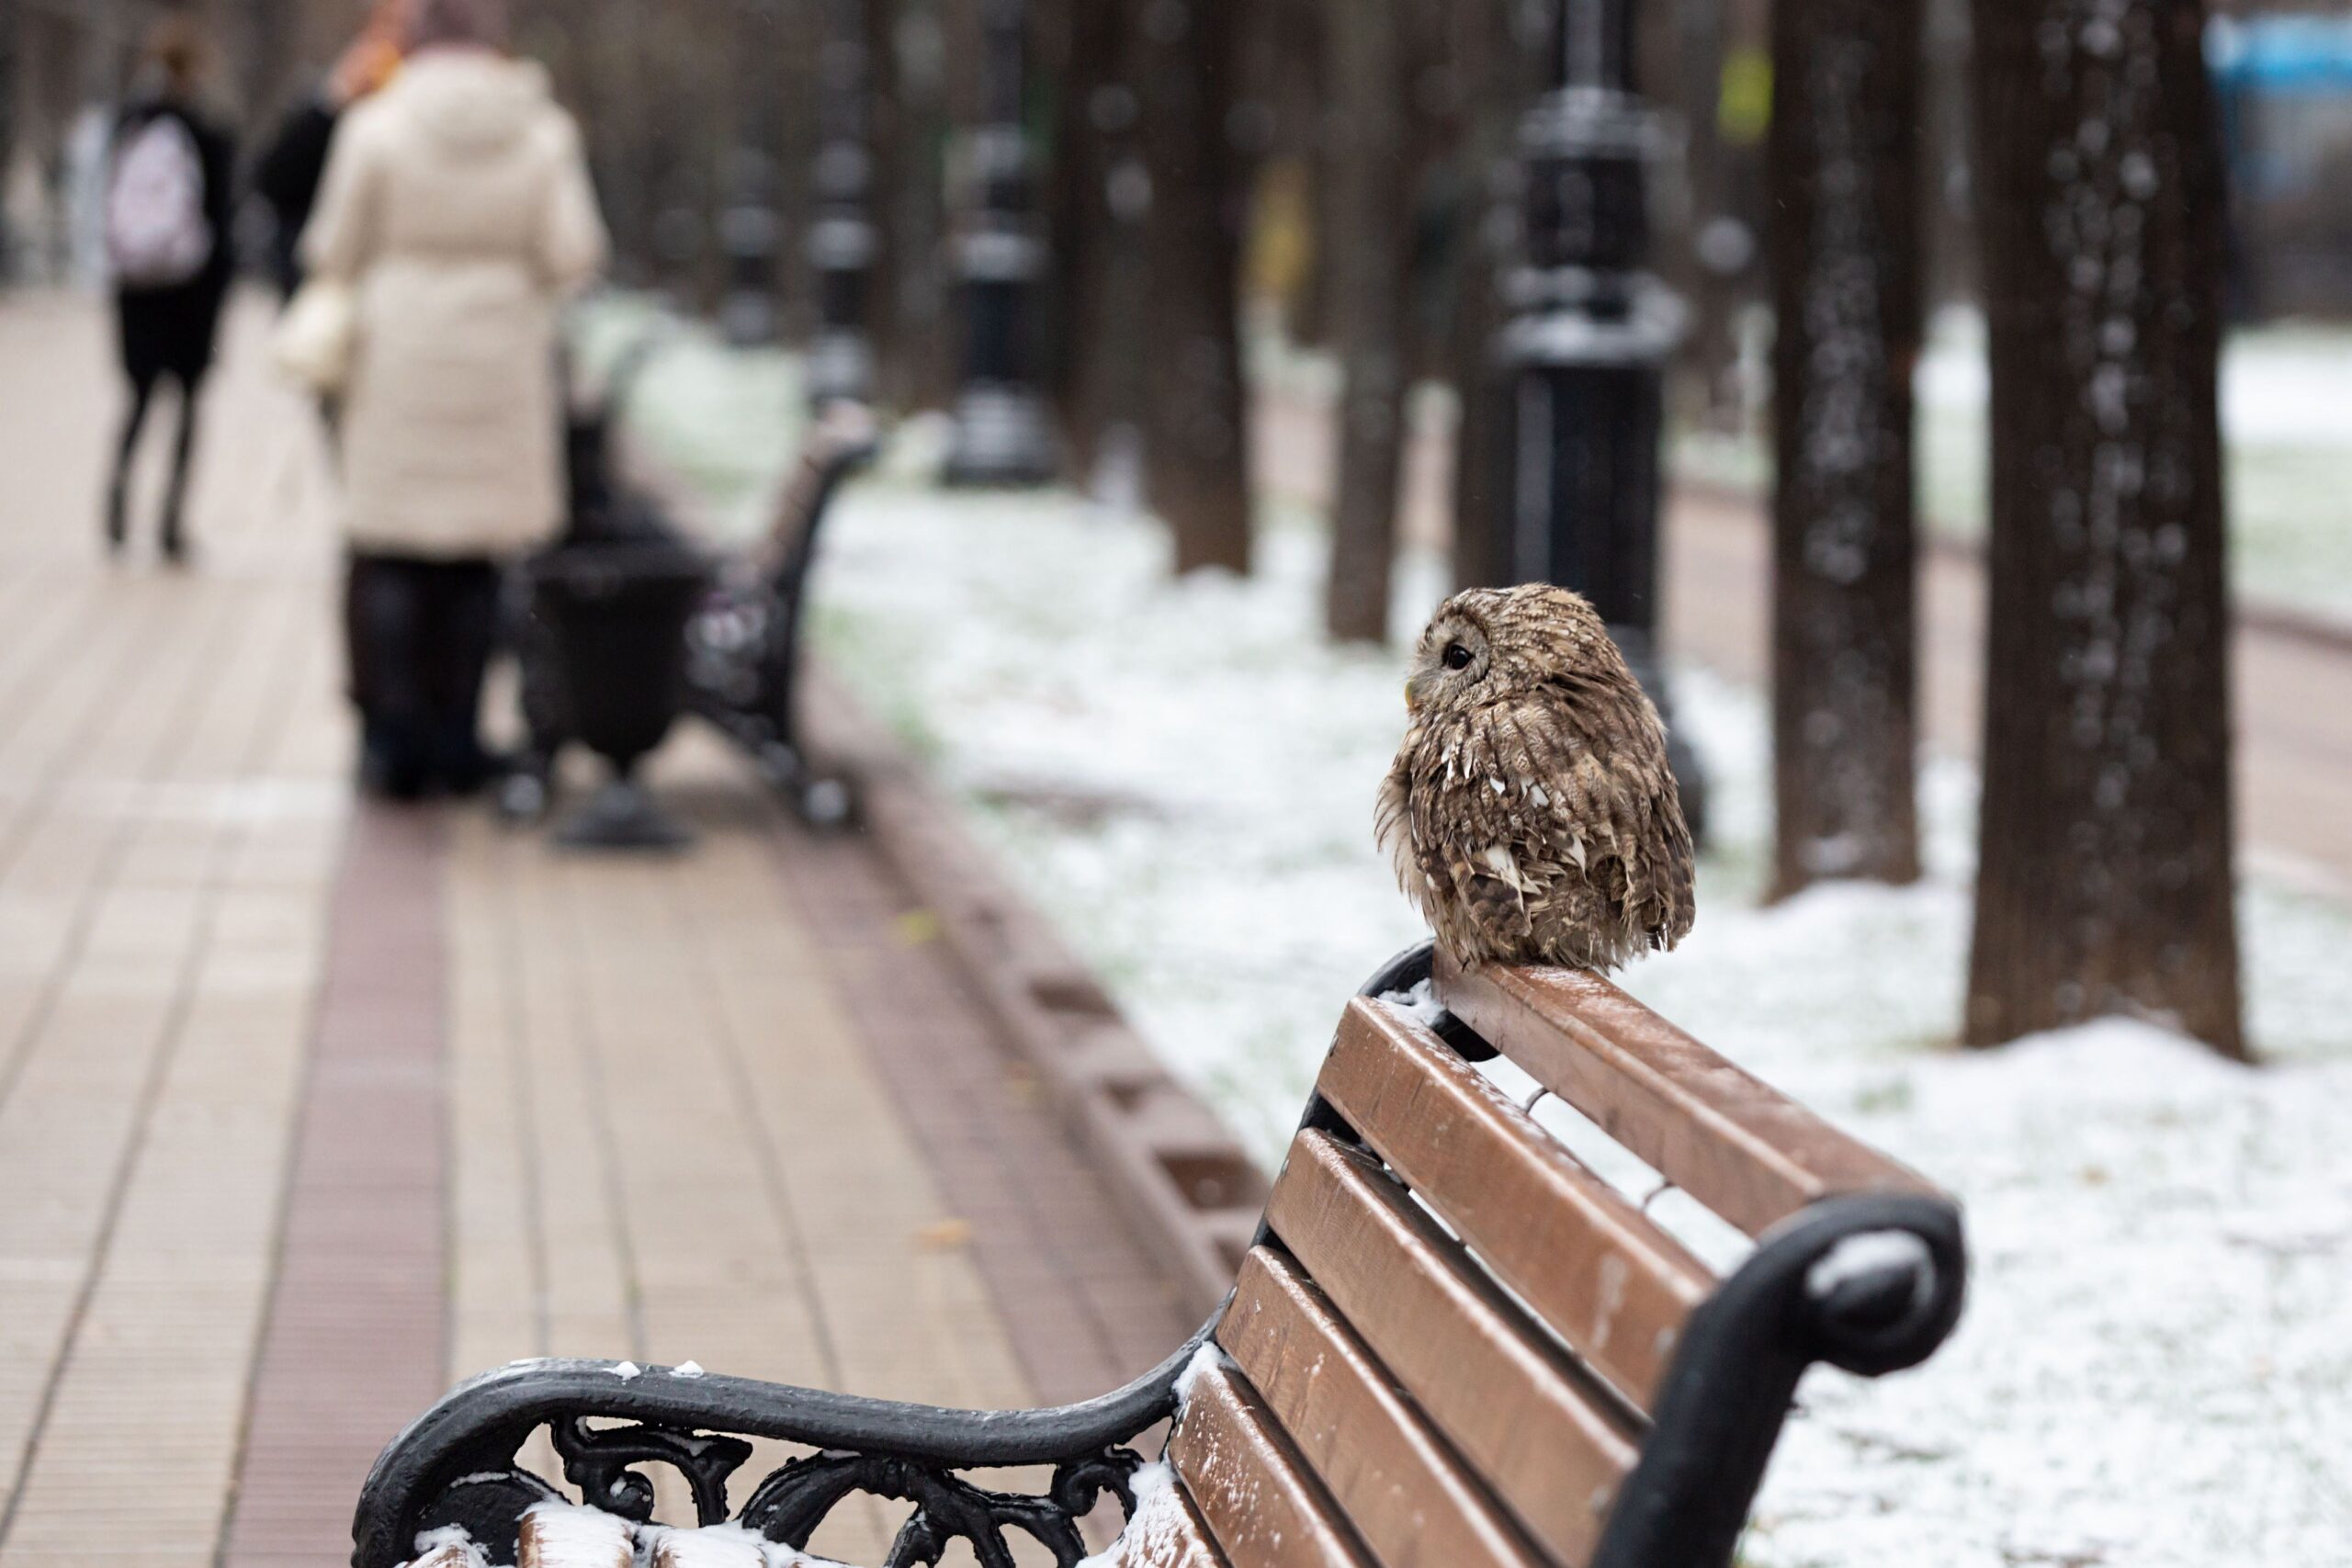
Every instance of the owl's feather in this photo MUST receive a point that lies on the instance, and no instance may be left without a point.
(1530, 813)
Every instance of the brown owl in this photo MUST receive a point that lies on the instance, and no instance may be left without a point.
(1530, 813)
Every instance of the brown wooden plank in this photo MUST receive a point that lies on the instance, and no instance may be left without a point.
(559, 1534)
(1540, 1432)
(1736, 1144)
(1256, 1498)
(1408, 1497)
(1167, 1532)
(1593, 1266)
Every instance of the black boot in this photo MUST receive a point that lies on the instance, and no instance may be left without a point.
(461, 765)
(393, 765)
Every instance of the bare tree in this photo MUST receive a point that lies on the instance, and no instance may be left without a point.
(1188, 67)
(1845, 249)
(2105, 879)
(914, 363)
(1094, 246)
(11, 23)
(885, 132)
(1492, 62)
(1366, 255)
(1706, 254)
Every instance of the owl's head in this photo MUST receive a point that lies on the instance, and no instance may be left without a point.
(1487, 644)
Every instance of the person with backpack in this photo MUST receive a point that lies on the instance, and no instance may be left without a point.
(167, 212)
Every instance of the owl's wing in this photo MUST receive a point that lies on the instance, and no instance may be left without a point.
(1584, 783)
(1451, 877)
(1464, 855)
(1391, 828)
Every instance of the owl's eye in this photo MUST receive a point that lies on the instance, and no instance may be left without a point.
(1457, 656)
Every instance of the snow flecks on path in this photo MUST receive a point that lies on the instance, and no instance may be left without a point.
(1180, 779)
(2156, 1368)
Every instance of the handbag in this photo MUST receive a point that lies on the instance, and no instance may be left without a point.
(316, 338)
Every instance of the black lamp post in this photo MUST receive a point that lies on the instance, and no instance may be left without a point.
(1589, 333)
(751, 229)
(751, 233)
(840, 241)
(1001, 437)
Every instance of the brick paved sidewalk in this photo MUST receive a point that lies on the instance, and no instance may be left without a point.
(305, 1112)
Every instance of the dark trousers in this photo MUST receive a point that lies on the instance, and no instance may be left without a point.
(142, 397)
(420, 635)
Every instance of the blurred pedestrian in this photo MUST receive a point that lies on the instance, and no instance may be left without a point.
(166, 223)
(291, 166)
(457, 211)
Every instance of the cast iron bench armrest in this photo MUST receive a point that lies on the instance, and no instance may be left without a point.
(1869, 1283)
(455, 1465)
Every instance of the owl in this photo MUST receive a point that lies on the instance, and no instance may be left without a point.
(1530, 812)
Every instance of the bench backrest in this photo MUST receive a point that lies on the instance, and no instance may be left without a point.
(1456, 1346)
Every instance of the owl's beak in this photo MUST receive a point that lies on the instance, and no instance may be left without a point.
(1415, 691)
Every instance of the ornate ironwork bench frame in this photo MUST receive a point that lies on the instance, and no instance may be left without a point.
(745, 654)
(1822, 1286)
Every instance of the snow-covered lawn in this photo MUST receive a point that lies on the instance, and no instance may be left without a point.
(2156, 1369)
(2287, 418)
(2156, 1366)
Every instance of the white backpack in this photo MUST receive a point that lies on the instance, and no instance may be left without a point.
(157, 233)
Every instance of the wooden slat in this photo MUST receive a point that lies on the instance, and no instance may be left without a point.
(1593, 1266)
(1258, 1499)
(560, 1535)
(1167, 1532)
(1408, 1497)
(709, 1549)
(1739, 1147)
(1541, 1433)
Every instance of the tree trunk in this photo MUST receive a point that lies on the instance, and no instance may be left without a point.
(2105, 879)
(1948, 150)
(1196, 435)
(10, 55)
(913, 351)
(885, 131)
(1708, 252)
(1494, 88)
(1368, 237)
(1095, 125)
(1478, 390)
(1844, 240)
(270, 34)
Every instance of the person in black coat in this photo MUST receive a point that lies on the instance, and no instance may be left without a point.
(287, 180)
(170, 205)
(288, 175)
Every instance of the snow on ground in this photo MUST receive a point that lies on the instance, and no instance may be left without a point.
(1183, 782)
(2156, 1369)
(2286, 417)
(2156, 1366)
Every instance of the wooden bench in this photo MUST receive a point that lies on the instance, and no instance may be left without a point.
(1452, 1345)
(743, 643)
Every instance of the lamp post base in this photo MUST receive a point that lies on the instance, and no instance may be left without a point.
(838, 368)
(623, 817)
(1002, 438)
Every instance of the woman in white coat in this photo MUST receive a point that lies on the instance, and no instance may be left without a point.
(457, 208)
